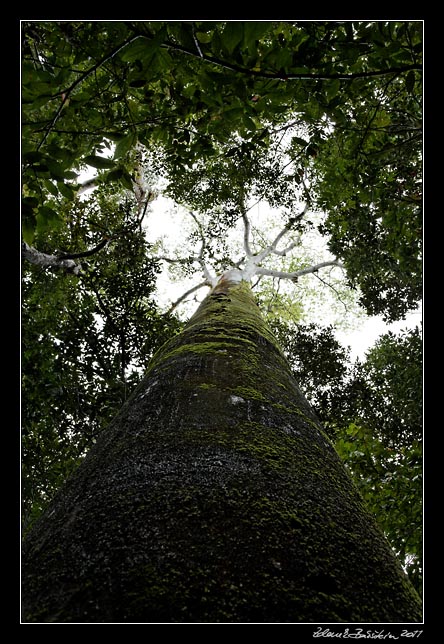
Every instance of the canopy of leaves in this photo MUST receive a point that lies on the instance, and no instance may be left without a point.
(206, 93)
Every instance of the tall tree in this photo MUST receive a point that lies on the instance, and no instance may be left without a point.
(214, 496)
(314, 112)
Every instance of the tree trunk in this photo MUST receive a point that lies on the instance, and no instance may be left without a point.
(213, 496)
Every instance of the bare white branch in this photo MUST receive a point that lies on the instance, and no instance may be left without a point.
(285, 252)
(303, 271)
(210, 279)
(196, 42)
(34, 256)
(272, 248)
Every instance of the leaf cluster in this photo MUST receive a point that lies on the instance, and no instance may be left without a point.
(86, 341)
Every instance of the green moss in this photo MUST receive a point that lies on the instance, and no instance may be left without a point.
(249, 393)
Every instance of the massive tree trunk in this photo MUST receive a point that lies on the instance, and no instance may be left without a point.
(213, 496)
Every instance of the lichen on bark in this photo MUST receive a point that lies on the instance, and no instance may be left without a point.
(214, 496)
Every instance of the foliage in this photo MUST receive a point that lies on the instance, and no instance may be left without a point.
(86, 342)
(371, 182)
(212, 98)
(319, 363)
(390, 481)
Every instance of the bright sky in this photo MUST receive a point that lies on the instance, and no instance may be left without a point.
(162, 221)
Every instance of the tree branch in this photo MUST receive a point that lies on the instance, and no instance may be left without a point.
(283, 76)
(247, 229)
(185, 295)
(295, 274)
(285, 252)
(177, 260)
(280, 75)
(44, 260)
(208, 277)
(272, 247)
(334, 291)
(86, 253)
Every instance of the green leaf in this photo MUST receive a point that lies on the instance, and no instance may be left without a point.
(125, 145)
(56, 170)
(47, 219)
(114, 175)
(143, 49)
(66, 190)
(410, 81)
(204, 38)
(29, 204)
(138, 82)
(140, 49)
(253, 31)
(50, 187)
(126, 181)
(28, 228)
(101, 163)
(333, 88)
(32, 157)
(115, 136)
(70, 174)
(232, 35)
(299, 141)
(249, 123)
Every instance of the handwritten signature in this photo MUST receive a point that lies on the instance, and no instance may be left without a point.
(360, 633)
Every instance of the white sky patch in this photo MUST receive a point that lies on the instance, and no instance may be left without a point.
(363, 338)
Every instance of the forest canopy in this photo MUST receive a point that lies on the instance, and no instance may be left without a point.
(319, 120)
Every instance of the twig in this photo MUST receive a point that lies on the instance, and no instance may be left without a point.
(334, 290)
(196, 42)
(185, 295)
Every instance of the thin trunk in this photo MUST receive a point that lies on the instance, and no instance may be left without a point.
(214, 496)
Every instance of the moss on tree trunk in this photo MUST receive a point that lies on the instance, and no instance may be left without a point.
(213, 496)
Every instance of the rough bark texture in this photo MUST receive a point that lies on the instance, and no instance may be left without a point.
(214, 496)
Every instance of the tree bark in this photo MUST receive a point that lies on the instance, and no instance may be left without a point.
(214, 496)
